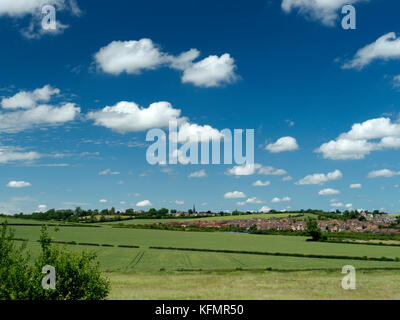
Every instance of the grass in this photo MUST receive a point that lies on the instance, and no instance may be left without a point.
(206, 240)
(223, 218)
(252, 285)
(144, 273)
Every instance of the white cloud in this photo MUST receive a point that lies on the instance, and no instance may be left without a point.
(133, 57)
(283, 144)
(264, 209)
(234, 195)
(198, 174)
(254, 200)
(278, 200)
(129, 117)
(386, 47)
(320, 178)
(271, 171)
(243, 170)
(250, 169)
(33, 8)
(29, 99)
(361, 140)
(108, 171)
(42, 207)
(179, 202)
(144, 203)
(260, 183)
(8, 154)
(355, 186)
(194, 132)
(384, 173)
(325, 11)
(328, 192)
(23, 110)
(337, 205)
(103, 201)
(349, 205)
(288, 178)
(212, 71)
(18, 184)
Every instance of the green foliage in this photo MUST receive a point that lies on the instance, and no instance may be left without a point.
(313, 230)
(77, 275)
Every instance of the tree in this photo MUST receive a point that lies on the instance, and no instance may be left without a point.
(77, 274)
(313, 230)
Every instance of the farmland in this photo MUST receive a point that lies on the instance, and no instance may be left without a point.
(130, 259)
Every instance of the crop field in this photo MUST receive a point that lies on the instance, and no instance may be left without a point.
(142, 272)
(254, 285)
(239, 217)
(208, 240)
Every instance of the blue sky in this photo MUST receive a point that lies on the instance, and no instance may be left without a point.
(288, 69)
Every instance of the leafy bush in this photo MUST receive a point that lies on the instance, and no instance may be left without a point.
(77, 275)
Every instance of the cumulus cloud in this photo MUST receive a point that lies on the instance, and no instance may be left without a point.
(337, 204)
(198, 174)
(361, 140)
(18, 184)
(33, 9)
(278, 200)
(260, 183)
(283, 144)
(103, 201)
(24, 110)
(264, 209)
(10, 154)
(29, 99)
(212, 71)
(135, 56)
(325, 11)
(328, 192)
(250, 169)
(254, 200)
(355, 186)
(234, 195)
(131, 57)
(144, 203)
(129, 117)
(42, 207)
(320, 178)
(384, 48)
(108, 171)
(384, 173)
(194, 132)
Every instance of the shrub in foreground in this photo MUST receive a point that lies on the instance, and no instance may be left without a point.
(77, 274)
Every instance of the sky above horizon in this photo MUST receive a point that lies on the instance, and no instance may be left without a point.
(76, 103)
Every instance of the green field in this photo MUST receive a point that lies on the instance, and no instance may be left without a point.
(239, 285)
(133, 270)
(247, 216)
(208, 240)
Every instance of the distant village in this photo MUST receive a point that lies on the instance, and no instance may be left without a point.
(367, 222)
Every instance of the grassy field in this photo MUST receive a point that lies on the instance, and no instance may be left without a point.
(249, 216)
(207, 240)
(116, 259)
(253, 285)
(146, 273)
